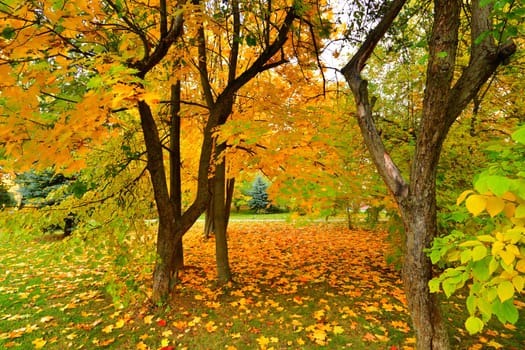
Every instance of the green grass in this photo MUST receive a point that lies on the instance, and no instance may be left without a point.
(309, 287)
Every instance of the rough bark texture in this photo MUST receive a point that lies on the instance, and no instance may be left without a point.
(175, 175)
(442, 104)
(219, 218)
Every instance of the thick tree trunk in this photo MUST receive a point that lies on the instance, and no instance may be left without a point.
(175, 175)
(220, 217)
(420, 223)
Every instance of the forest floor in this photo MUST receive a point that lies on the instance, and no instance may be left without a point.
(295, 287)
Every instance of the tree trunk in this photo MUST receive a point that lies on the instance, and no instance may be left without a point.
(175, 175)
(419, 218)
(220, 217)
(208, 221)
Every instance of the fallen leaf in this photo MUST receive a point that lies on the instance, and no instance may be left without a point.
(108, 329)
(119, 324)
(39, 343)
(46, 319)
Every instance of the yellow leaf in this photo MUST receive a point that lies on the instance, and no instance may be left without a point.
(520, 265)
(263, 341)
(505, 290)
(518, 282)
(148, 319)
(108, 329)
(141, 346)
(211, 327)
(319, 315)
(338, 330)
(167, 333)
(462, 196)
(495, 206)
(164, 342)
(506, 256)
(495, 344)
(509, 210)
(119, 324)
(475, 204)
(39, 343)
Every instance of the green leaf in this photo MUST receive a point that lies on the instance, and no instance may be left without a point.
(471, 304)
(433, 284)
(442, 54)
(505, 290)
(251, 40)
(480, 269)
(8, 33)
(520, 211)
(474, 324)
(519, 135)
(499, 185)
(466, 256)
(479, 253)
(506, 311)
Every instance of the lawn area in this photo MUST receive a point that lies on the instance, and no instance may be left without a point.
(310, 287)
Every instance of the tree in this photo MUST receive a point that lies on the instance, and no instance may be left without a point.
(446, 96)
(259, 200)
(98, 67)
(36, 186)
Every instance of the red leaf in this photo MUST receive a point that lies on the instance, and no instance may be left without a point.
(162, 323)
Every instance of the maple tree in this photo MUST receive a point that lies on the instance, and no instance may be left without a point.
(105, 61)
(446, 96)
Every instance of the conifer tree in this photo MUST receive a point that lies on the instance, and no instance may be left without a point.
(259, 200)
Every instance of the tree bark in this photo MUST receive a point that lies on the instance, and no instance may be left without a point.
(164, 269)
(220, 222)
(175, 175)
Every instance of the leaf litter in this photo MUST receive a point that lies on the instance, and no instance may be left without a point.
(294, 287)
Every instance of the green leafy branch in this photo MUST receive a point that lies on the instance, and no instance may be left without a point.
(491, 263)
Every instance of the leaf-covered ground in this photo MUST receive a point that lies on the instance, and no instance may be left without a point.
(319, 286)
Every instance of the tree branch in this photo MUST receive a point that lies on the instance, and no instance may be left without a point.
(352, 73)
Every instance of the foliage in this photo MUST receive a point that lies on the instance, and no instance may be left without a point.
(259, 197)
(6, 197)
(37, 187)
(490, 258)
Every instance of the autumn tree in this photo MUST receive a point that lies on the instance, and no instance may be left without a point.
(97, 67)
(447, 93)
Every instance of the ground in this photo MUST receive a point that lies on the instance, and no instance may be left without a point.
(295, 287)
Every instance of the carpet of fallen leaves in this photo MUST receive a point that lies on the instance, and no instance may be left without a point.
(308, 287)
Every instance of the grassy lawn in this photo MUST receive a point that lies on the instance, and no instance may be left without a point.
(310, 287)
